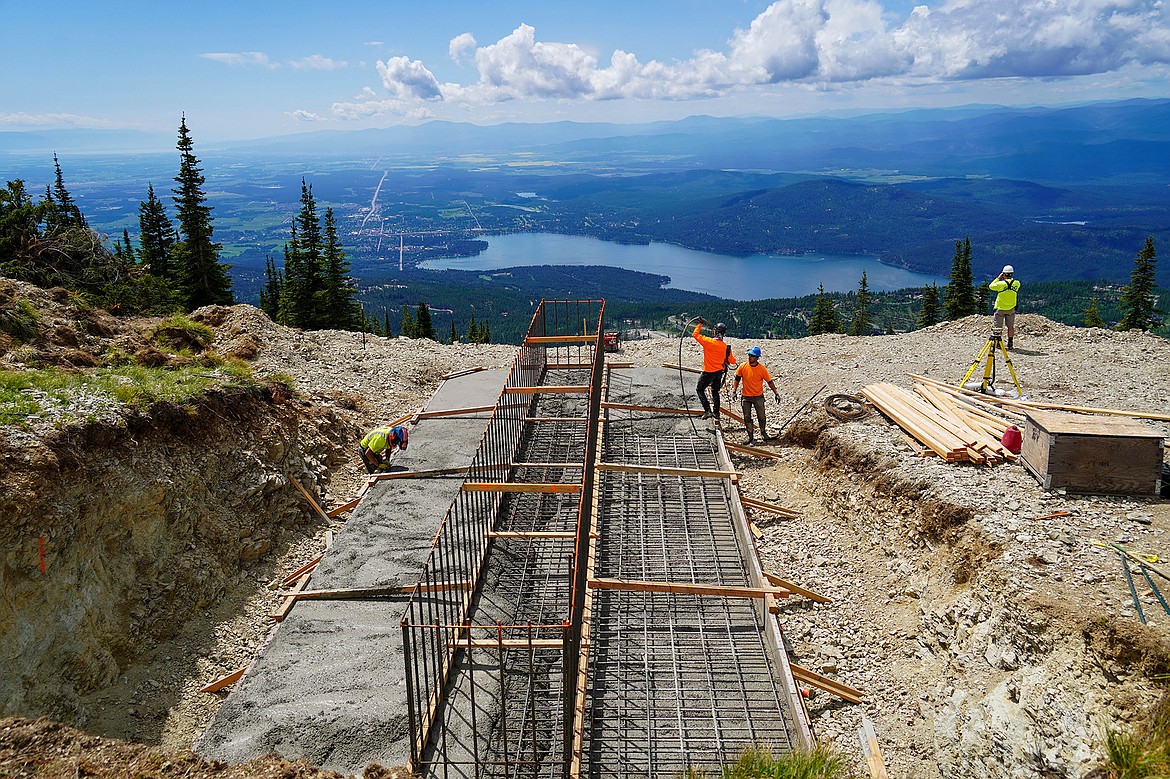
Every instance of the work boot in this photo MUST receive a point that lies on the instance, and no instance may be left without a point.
(1009, 342)
(706, 415)
(748, 440)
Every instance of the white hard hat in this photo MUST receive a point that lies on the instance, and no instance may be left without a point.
(1008, 269)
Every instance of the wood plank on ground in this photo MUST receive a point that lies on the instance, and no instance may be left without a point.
(796, 588)
(869, 748)
(225, 681)
(312, 501)
(839, 689)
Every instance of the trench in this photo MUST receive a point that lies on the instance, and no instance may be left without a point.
(140, 556)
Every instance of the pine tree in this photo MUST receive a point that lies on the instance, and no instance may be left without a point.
(63, 212)
(273, 289)
(959, 298)
(929, 314)
(204, 280)
(472, 331)
(409, 328)
(425, 328)
(982, 298)
(485, 333)
(1092, 316)
(156, 237)
(1138, 297)
(825, 318)
(342, 310)
(862, 321)
(386, 323)
(454, 338)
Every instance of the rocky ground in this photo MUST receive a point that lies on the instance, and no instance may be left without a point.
(988, 643)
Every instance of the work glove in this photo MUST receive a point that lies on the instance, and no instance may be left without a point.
(702, 321)
(777, 396)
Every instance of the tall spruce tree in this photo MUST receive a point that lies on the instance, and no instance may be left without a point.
(63, 212)
(959, 297)
(1138, 311)
(156, 237)
(203, 279)
(307, 247)
(825, 318)
(862, 320)
(409, 327)
(454, 337)
(424, 327)
(929, 314)
(273, 289)
(342, 311)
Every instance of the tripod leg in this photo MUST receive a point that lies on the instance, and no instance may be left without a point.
(978, 359)
(1011, 369)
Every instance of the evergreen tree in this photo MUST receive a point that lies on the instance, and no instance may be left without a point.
(307, 247)
(1138, 310)
(982, 298)
(386, 323)
(454, 334)
(929, 314)
(342, 311)
(485, 333)
(204, 280)
(273, 289)
(1093, 315)
(472, 330)
(425, 328)
(862, 321)
(825, 318)
(156, 237)
(409, 328)
(63, 212)
(959, 298)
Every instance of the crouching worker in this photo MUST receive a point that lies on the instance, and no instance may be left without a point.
(379, 444)
(753, 374)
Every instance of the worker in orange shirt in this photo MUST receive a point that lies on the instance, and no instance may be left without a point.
(754, 374)
(716, 357)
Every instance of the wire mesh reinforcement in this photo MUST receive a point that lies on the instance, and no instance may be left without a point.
(486, 659)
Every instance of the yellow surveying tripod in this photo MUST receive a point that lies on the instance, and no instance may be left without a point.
(987, 386)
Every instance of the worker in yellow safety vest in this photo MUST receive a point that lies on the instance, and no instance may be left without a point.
(1005, 302)
(376, 448)
(716, 357)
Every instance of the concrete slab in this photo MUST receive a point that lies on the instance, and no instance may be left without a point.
(330, 686)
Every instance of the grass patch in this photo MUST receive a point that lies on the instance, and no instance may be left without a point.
(179, 333)
(759, 763)
(133, 385)
(1142, 751)
(20, 321)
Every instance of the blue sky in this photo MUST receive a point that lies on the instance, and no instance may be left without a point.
(248, 69)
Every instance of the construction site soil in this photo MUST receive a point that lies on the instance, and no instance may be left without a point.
(144, 547)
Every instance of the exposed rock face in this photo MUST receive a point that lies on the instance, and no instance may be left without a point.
(141, 525)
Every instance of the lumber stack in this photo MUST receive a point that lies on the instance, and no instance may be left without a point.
(950, 428)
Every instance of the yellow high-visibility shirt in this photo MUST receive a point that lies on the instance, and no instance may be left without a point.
(1007, 289)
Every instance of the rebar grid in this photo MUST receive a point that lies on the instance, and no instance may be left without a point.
(675, 681)
(678, 682)
(460, 705)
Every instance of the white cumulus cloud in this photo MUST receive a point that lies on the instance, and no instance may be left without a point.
(406, 78)
(811, 43)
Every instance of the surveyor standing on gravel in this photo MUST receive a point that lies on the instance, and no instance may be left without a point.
(753, 373)
(1005, 302)
(716, 357)
(379, 444)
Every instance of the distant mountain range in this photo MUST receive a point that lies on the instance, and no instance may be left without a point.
(1118, 142)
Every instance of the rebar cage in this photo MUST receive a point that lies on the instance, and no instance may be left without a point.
(492, 645)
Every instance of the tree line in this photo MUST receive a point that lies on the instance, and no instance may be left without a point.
(961, 297)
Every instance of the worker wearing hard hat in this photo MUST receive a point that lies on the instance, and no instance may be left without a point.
(716, 357)
(379, 444)
(754, 374)
(1005, 302)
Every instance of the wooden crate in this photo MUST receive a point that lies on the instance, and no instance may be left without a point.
(1092, 454)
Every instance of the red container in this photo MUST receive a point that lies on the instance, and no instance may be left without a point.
(1012, 439)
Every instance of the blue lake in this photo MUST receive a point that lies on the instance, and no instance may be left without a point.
(736, 277)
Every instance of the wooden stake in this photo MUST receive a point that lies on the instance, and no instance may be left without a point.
(337, 511)
(491, 486)
(651, 409)
(752, 451)
(290, 599)
(843, 691)
(292, 577)
(810, 594)
(685, 588)
(225, 681)
(312, 501)
(871, 751)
